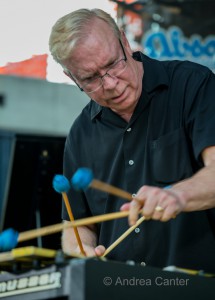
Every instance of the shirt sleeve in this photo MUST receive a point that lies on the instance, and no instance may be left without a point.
(201, 111)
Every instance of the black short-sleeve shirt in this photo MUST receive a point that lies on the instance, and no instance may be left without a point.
(173, 122)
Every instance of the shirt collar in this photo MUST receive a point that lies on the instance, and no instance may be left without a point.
(155, 73)
(95, 109)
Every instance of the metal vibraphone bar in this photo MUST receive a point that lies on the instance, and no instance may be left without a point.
(92, 279)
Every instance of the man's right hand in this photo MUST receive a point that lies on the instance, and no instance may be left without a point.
(88, 238)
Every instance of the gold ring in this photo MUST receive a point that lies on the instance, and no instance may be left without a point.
(159, 208)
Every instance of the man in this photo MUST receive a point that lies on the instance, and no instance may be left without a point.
(149, 125)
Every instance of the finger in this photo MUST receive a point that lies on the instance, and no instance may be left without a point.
(89, 251)
(125, 207)
(135, 207)
(156, 202)
(173, 207)
(158, 212)
(169, 213)
(166, 209)
(151, 202)
(100, 250)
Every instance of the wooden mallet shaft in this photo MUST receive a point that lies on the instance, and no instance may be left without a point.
(34, 233)
(71, 217)
(61, 185)
(123, 236)
(83, 178)
(105, 187)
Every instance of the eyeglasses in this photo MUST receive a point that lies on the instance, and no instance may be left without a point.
(93, 84)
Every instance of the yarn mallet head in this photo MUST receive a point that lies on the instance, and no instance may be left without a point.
(8, 240)
(61, 184)
(82, 178)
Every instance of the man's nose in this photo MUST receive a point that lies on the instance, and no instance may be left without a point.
(109, 82)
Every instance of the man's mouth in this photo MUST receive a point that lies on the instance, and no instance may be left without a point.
(119, 97)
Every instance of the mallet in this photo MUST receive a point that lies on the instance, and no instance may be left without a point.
(9, 238)
(61, 185)
(83, 178)
(123, 236)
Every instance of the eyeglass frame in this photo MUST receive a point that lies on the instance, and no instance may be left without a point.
(100, 77)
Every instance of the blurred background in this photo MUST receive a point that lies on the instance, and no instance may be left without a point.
(38, 103)
(180, 29)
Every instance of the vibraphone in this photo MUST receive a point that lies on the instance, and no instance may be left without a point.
(32, 273)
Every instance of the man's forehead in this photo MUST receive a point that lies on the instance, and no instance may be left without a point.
(93, 55)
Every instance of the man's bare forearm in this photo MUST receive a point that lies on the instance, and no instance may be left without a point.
(199, 190)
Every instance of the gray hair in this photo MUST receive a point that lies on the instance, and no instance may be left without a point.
(72, 28)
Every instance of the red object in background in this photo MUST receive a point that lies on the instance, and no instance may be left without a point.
(35, 67)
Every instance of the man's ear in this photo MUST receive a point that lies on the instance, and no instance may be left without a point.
(125, 42)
